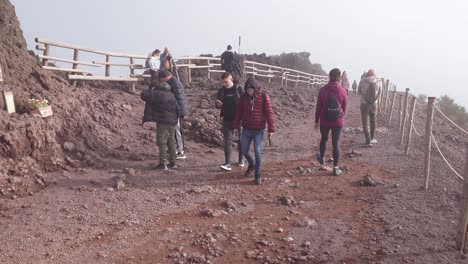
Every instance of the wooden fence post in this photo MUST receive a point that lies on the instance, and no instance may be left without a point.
(387, 88)
(400, 110)
(391, 106)
(382, 93)
(405, 112)
(461, 240)
(75, 65)
(190, 72)
(132, 73)
(45, 62)
(269, 78)
(107, 66)
(428, 138)
(297, 80)
(282, 78)
(410, 125)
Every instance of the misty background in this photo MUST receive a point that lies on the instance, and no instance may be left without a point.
(416, 44)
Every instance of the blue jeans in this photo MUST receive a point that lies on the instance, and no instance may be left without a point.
(256, 136)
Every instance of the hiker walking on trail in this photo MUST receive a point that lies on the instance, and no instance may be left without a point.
(177, 89)
(364, 75)
(163, 109)
(345, 82)
(226, 100)
(252, 112)
(354, 87)
(167, 62)
(329, 116)
(154, 62)
(369, 91)
(227, 60)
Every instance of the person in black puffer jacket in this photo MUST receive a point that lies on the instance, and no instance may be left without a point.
(161, 107)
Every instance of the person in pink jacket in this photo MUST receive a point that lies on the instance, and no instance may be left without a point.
(330, 113)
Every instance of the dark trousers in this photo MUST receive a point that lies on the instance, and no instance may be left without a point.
(228, 136)
(154, 76)
(336, 133)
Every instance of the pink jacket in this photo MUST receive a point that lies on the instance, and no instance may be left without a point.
(332, 88)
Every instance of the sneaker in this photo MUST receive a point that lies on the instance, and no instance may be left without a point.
(180, 156)
(320, 159)
(373, 141)
(226, 167)
(172, 166)
(249, 171)
(161, 166)
(241, 164)
(337, 171)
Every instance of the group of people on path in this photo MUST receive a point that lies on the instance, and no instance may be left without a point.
(246, 113)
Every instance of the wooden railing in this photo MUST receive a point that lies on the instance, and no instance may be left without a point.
(137, 63)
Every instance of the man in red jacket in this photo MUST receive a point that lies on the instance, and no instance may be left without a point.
(253, 111)
(330, 111)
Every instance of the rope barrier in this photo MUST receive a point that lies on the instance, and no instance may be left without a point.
(440, 111)
(415, 131)
(443, 157)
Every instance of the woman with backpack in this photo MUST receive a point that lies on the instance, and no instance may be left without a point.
(329, 113)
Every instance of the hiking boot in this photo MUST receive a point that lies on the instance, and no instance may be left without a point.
(249, 171)
(320, 159)
(180, 156)
(258, 181)
(373, 141)
(337, 171)
(172, 166)
(226, 167)
(161, 166)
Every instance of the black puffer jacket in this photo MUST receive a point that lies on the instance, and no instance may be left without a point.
(177, 89)
(161, 105)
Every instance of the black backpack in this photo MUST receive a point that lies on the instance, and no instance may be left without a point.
(333, 111)
(371, 95)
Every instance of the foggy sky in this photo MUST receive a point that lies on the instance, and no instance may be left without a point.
(416, 44)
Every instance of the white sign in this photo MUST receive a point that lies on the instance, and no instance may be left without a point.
(9, 102)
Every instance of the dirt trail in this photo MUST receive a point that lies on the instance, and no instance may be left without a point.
(202, 215)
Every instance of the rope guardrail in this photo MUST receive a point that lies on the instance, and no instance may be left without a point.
(415, 131)
(445, 159)
(453, 123)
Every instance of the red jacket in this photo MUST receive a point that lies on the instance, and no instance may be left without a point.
(332, 88)
(254, 112)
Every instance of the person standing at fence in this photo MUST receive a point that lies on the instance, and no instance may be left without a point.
(369, 90)
(177, 89)
(252, 112)
(154, 62)
(354, 87)
(226, 100)
(330, 112)
(163, 109)
(345, 82)
(167, 62)
(227, 60)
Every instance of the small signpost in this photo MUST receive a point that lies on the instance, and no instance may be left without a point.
(9, 102)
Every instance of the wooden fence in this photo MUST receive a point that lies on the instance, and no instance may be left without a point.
(136, 66)
(406, 128)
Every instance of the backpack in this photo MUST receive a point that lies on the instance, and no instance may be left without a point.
(147, 63)
(333, 111)
(371, 93)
